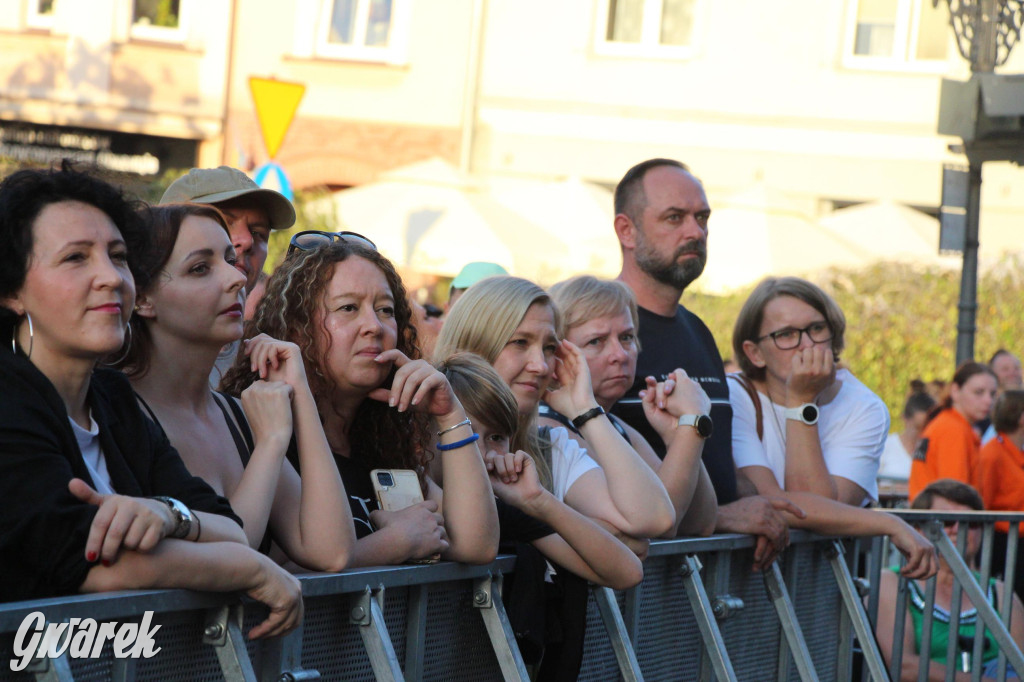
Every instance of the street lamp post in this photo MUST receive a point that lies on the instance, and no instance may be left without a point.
(978, 111)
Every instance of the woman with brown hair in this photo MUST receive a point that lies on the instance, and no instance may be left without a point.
(346, 308)
(192, 308)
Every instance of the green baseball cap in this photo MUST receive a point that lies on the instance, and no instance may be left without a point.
(473, 272)
(216, 185)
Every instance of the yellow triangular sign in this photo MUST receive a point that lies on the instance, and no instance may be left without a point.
(276, 102)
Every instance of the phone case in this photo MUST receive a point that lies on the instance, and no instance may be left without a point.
(404, 492)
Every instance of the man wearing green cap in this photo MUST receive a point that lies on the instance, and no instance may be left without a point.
(470, 274)
(251, 211)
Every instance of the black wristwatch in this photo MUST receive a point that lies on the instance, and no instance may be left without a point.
(582, 419)
(701, 423)
(183, 518)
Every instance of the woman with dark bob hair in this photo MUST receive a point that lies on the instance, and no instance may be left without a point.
(345, 307)
(95, 498)
(191, 308)
(804, 429)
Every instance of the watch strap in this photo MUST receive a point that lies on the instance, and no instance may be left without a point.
(582, 419)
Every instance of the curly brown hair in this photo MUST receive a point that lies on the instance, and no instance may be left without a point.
(379, 436)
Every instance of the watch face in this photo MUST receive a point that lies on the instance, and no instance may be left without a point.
(809, 414)
(705, 427)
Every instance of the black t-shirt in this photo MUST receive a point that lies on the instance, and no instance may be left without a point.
(684, 341)
(517, 526)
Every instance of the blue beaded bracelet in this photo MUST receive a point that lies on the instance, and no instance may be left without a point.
(459, 443)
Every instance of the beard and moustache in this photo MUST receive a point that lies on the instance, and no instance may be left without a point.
(669, 270)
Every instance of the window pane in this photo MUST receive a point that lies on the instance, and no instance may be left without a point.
(676, 22)
(342, 21)
(379, 25)
(932, 31)
(156, 13)
(625, 21)
(44, 6)
(876, 23)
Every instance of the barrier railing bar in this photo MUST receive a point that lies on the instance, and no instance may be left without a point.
(955, 606)
(857, 617)
(281, 659)
(898, 628)
(711, 636)
(986, 613)
(1006, 608)
(415, 633)
(790, 627)
(925, 660)
(632, 614)
(784, 657)
(616, 629)
(354, 580)
(123, 670)
(487, 598)
(986, 573)
(368, 614)
(223, 631)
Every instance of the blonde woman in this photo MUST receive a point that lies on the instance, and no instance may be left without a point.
(600, 317)
(512, 324)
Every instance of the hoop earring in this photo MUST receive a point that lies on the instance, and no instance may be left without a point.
(127, 347)
(31, 337)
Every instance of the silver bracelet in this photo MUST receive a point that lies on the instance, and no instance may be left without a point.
(464, 422)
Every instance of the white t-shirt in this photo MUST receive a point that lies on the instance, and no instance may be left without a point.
(95, 462)
(895, 462)
(853, 427)
(569, 461)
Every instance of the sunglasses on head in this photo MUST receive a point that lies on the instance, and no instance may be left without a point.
(307, 240)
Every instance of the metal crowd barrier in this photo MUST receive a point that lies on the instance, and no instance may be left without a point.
(879, 556)
(700, 613)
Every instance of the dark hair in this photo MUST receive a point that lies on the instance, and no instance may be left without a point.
(164, 223)
(379, 436)
(997, 355)
(962, 375)
(630, 198)
(23, 196)
(1007, 411)
(949, 489)
(748, 322)
(916, 403)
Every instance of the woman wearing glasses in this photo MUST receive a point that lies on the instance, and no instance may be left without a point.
(802, 428)
(381, 407)
(191, 308)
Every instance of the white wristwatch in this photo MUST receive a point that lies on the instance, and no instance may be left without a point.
(806, 413)
(701, 423)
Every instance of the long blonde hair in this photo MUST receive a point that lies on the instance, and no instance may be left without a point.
(482, 321)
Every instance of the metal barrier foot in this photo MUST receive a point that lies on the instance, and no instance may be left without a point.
(368, 613)
(790, 627)
(711, 636)
(223, 631)
(616, 629)
(851, 593)
(487, 598)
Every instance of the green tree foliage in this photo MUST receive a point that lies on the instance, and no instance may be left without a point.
(901, 321)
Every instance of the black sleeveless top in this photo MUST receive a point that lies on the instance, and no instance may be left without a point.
(241, 434)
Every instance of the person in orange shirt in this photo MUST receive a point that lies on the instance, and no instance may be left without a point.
(949, 445)
(1000, 473)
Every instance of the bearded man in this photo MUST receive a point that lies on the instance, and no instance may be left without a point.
(662, 224)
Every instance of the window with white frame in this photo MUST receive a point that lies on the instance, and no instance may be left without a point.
(371, 30)
(40, 13)
(159, 19)
(646, 27)
(898, 32)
